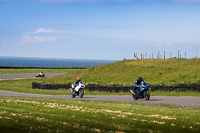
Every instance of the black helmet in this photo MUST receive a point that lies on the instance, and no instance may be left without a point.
(141, 78)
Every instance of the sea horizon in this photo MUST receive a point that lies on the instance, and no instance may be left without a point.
(41, 62)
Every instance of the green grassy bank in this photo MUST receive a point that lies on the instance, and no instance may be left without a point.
(48, 115)
(170, 72)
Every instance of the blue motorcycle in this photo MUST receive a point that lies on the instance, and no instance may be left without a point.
(142, 91)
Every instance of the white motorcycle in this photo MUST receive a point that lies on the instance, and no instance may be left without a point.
(78, 90)
(40, 75)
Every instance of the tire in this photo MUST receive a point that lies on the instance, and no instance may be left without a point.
(81, 93)
(146, 95)
(134, 97)
(73, 95)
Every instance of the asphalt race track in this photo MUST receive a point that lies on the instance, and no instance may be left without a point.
(193, 102)
(26, 75)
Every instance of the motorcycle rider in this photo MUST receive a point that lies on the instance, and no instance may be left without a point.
(76, 83)
(41, 73)
(137, 83)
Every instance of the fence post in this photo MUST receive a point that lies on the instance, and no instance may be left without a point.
(185, 55)
(146, 55)
(141, 56)
(178, 54)
(171, 55)
(195, 54)
(152, 55)
(164, 55)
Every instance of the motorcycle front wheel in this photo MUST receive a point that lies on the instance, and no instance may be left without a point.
(73, 95)
(81, 93)
(72, 92)
(146, 95)
(134, 96)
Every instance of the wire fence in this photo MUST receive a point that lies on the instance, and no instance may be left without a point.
(162, 55)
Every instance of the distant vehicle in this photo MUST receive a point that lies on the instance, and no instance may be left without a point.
(78, 90)
(41, 74)
(142, 91)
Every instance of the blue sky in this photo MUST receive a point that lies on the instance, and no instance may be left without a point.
(98, 29)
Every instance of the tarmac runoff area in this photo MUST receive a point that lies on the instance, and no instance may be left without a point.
(191, 102)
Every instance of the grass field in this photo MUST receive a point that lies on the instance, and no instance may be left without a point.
(170, 72)
(48, 115)
(60, 116)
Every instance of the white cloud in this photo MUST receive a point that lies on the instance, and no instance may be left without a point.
(40, 39)
(42, 30)
(49, 35)
(32, 38)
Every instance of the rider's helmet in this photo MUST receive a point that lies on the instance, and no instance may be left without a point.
(78, 79)
(140, 78)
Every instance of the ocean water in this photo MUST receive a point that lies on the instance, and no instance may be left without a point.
(49, 62)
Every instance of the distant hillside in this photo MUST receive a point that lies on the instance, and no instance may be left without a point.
(170, 72)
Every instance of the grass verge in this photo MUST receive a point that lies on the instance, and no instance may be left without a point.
(51, 115)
